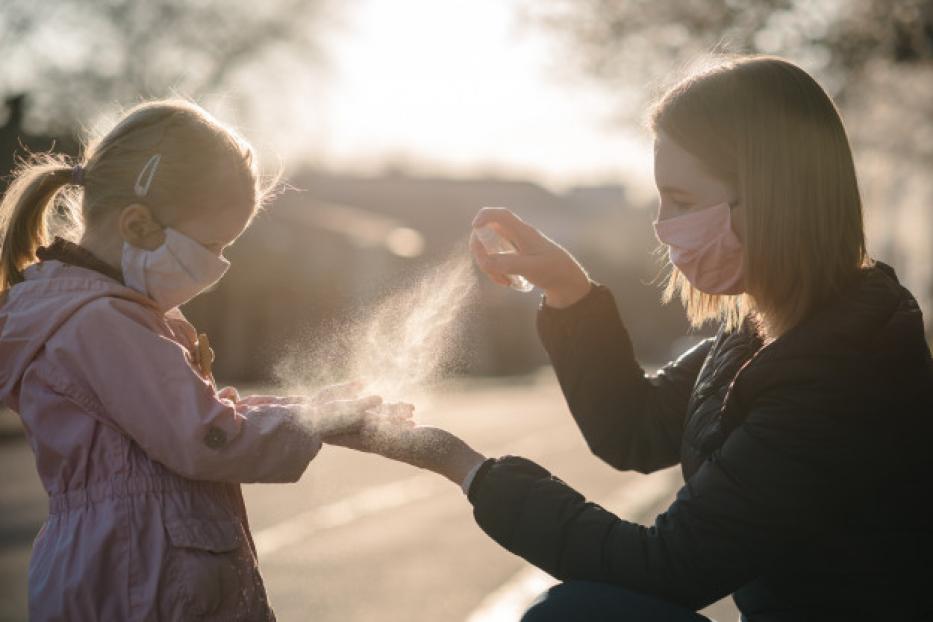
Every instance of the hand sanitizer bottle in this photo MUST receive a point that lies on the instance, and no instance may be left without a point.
(495, 244)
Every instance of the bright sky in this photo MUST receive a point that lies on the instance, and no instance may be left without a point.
(462, 87)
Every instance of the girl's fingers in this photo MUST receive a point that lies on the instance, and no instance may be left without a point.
(401, 416)
(270, 400)
(229, 393)
(364, 403)
(342, 391)
(397, 419)
(405, 408)
(354, 406)
(395, 411)
(293, 399)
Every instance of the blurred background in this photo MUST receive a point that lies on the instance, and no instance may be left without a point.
(394, 122)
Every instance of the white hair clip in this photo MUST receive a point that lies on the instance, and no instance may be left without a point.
(146, 174)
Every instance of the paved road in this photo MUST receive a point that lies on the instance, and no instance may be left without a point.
(360, 538)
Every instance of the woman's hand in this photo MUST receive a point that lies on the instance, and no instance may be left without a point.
(539, 259)
(425, 447)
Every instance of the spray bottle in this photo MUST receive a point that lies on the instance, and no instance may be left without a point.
(495, 244)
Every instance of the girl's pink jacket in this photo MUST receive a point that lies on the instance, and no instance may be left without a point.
(141, 458)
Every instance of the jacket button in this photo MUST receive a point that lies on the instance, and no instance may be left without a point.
(215, 437)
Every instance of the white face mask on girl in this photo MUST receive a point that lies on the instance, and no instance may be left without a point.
(174, 273)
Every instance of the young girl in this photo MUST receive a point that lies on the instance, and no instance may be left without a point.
(802, 429)
(140, 455)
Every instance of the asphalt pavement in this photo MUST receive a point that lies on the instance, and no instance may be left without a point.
(363, 538)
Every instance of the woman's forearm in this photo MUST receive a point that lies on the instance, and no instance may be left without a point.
(629, 421)
(425, 447)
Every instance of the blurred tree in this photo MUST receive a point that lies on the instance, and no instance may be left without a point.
(622, 40)
(73, 56)
(874, 56)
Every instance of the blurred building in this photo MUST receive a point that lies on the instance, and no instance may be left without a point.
(336, 246)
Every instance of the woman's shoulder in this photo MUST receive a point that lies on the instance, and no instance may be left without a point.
(875, 319)
(865, 349)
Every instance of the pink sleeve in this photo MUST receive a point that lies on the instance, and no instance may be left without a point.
(147, 388)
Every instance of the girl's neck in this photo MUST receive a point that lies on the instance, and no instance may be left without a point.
(107, 248)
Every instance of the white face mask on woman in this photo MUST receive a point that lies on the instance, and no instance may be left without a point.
(174, 273)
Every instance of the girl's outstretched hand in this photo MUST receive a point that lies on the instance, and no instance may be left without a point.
(342, 391)
(538, 258)
(334, 392)
(394, 436)
(339, 417)
(334, 410)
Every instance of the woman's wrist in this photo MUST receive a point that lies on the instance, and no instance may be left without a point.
(459, 463)
(569, 293)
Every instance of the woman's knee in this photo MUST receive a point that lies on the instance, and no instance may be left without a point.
(595, 602)
(560, 602)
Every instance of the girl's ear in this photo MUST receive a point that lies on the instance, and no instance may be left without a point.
(139, 228)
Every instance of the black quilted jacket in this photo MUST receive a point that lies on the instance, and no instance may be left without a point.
(808, 468)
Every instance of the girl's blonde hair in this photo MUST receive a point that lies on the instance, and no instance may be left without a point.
(202, 165)
(763, 125)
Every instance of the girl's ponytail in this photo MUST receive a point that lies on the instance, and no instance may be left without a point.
(36, 183)
(203, 165)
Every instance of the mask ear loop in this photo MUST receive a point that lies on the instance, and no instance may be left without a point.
(144, 180)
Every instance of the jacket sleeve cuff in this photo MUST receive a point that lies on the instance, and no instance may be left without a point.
(468, 480)
(522, 507)
(475, 478)
(494, 487)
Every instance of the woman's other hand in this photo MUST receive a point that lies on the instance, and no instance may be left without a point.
(425, 447)
(538, 258)
(339, 417)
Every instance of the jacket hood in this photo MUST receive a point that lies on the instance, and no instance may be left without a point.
(36, 308)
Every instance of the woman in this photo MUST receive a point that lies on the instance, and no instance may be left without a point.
(801, 429)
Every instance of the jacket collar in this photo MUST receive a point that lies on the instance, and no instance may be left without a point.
(70, 253)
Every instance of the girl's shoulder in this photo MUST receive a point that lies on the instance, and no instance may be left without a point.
(67, 315)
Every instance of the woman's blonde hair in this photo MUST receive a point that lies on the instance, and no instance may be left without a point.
(763, 125)
(202, 164)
